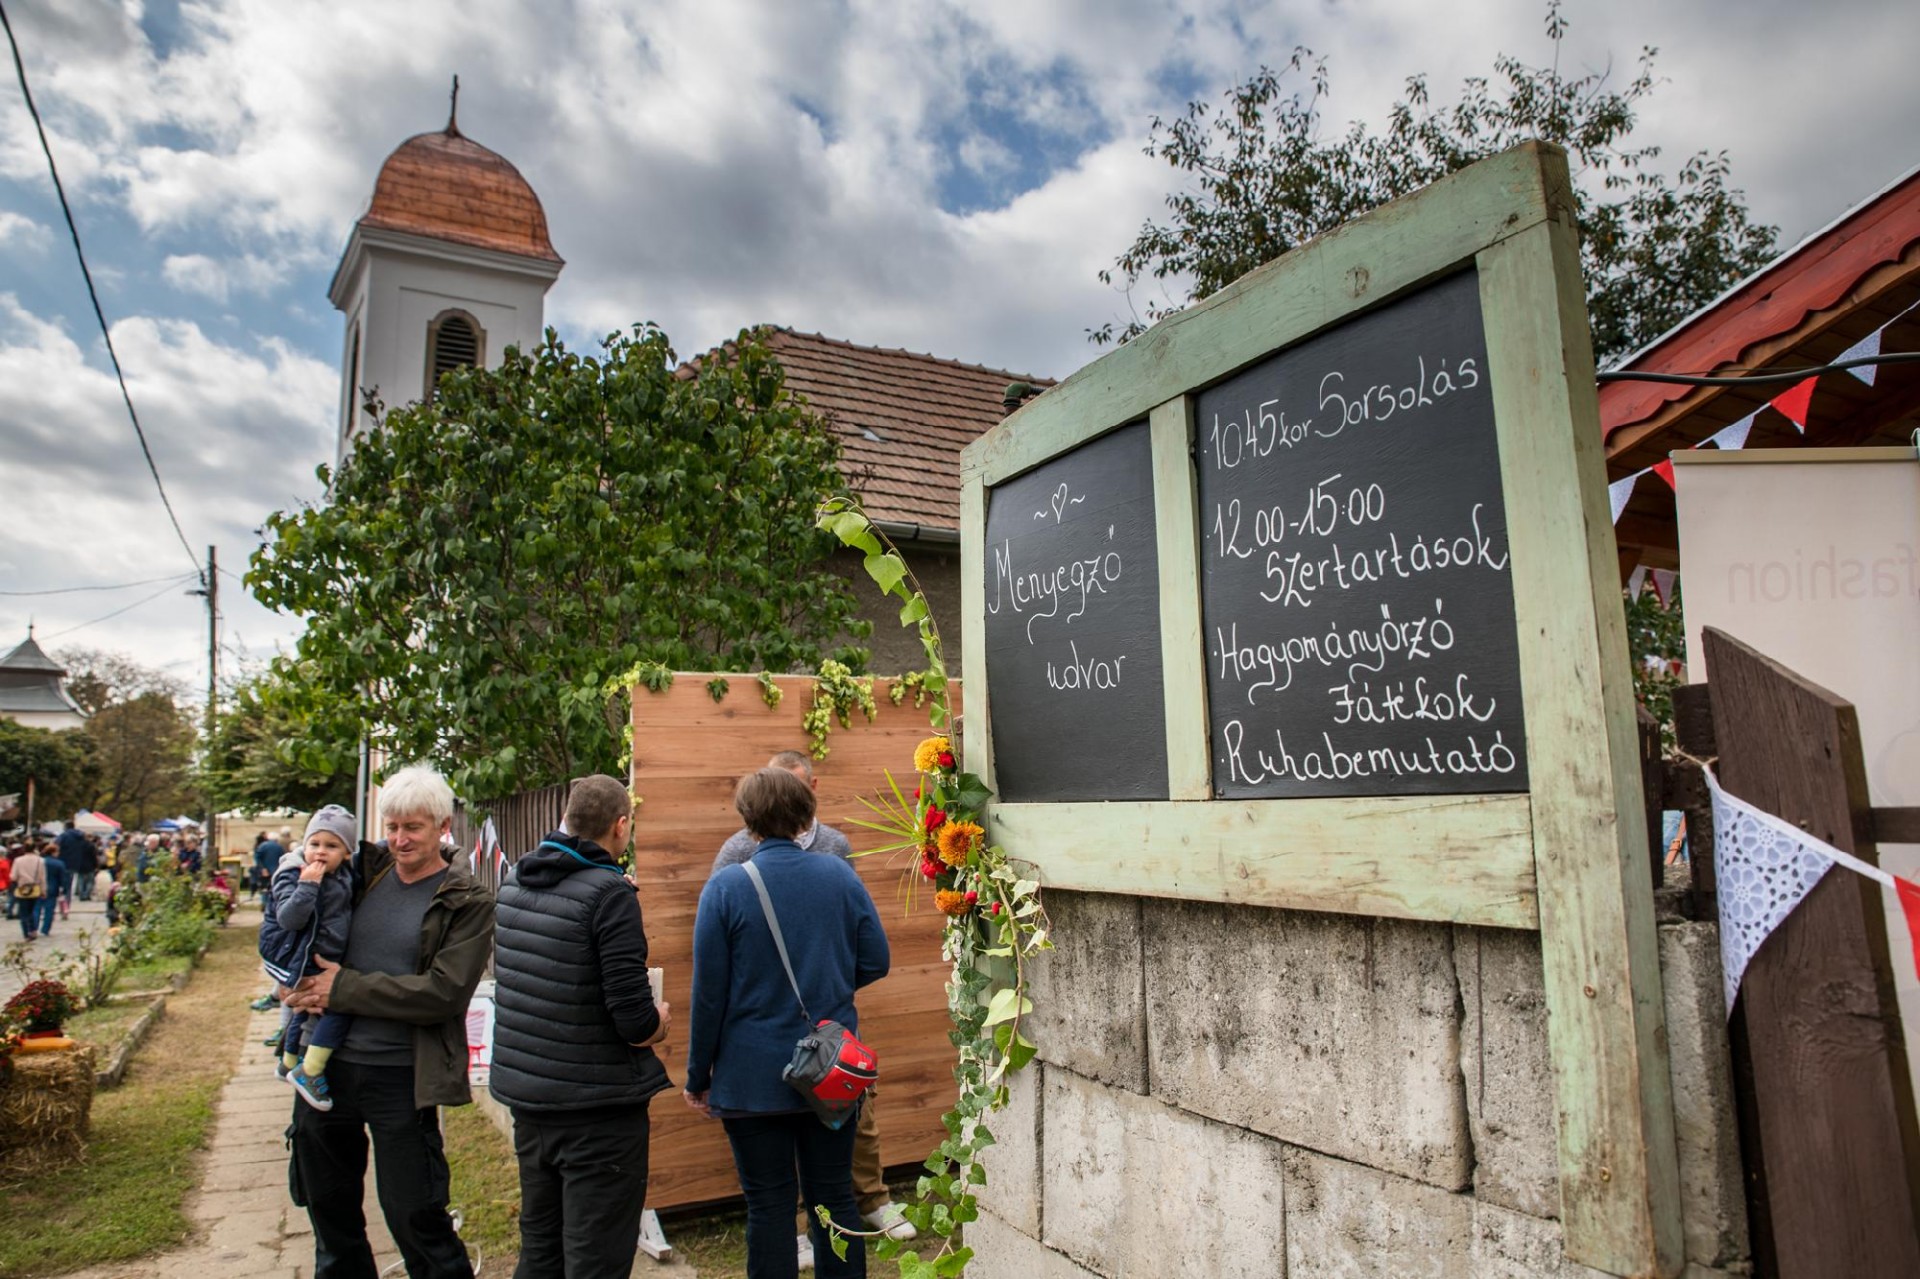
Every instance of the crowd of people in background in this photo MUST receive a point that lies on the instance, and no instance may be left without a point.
(41, 877)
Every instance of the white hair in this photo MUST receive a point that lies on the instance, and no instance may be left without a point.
(416, 791)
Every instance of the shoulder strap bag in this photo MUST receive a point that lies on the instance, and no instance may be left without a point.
(831, 1068)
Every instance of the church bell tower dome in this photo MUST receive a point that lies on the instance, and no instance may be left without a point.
(449, 266)
(447, 186)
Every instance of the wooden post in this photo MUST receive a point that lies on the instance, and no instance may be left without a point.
(1827, 1116)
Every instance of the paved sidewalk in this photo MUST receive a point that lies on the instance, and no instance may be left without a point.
(252, 1230)
(88, 917)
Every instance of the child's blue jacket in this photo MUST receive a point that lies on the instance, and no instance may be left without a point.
(304, 920)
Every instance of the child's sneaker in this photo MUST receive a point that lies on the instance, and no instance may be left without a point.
(312, 1088)
(280, 1069)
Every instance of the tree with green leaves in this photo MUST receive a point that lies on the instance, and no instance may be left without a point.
(493, 561)
(143, 732)
(253, 760)
(60, 765)
(1261, 181)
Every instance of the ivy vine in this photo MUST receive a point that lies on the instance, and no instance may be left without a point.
(995, 926)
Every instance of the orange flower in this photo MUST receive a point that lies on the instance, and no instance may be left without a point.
(926, 756)
(952, 903)
(957, 839)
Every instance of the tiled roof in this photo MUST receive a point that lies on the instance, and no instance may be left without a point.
(447, 186)
(902, 419)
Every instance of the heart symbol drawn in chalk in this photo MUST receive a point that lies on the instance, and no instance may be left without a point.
(1059, 502)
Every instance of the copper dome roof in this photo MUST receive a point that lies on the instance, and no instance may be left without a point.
(447, 186)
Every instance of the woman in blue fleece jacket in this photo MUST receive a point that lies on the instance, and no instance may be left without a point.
(745, 1020)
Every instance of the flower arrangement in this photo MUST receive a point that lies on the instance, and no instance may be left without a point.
(40, 1007)
(995, 925)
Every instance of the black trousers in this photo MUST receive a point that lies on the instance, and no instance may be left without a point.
(766, 1150)
(583, 1182)
(328, 1172)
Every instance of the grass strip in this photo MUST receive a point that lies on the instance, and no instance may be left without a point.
(128, 1198)
(486, 1187)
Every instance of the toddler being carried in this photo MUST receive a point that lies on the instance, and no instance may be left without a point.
(308, 912)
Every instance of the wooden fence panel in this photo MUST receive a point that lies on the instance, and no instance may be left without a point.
(1827, 1119)
(688, 752)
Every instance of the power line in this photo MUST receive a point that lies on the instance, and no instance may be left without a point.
(118, 586)
(1757, 379)
(73, 230)
(176, 582)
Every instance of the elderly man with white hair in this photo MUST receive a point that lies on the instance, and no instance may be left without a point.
(421, 935)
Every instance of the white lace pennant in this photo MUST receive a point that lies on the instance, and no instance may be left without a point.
(1765, 867)
(1620, 491)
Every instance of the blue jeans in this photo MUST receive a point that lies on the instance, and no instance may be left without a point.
(48, 907)
(328, 1030)
(765, 1150)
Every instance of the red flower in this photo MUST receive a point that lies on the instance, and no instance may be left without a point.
(996, 908)
(933, 819)
(972, 897)
(931, 869)
(946, 759)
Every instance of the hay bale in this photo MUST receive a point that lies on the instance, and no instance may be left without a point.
(44, 1106)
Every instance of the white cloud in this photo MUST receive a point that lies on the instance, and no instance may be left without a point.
(218, 279)
(21, 234)
(715, 163)
(235, 434)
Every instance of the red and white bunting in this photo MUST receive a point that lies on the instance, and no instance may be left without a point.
(1765, 867)
(1794, 402)
(1731, 437)
(1663, 580)
(1637, 582)
(1620, 491)
(1865, 348)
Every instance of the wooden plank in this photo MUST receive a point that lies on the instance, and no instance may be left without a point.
(1619, 1178)
(976, 743)
(1397, 247)
(1896, 825)
(1459, 858)
(1827, 1112)
(1182, 646)
(688, 752)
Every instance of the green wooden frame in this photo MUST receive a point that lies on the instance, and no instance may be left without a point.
(1567, 858)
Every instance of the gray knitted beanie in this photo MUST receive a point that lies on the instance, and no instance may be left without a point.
(336, 821)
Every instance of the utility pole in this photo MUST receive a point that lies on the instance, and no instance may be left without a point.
(212, 849)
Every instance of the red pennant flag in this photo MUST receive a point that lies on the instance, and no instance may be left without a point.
(1665, 471)
(1910, 907)
(1794, 401)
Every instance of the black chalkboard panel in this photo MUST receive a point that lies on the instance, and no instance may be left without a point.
(1073, 627)
(1355, 588)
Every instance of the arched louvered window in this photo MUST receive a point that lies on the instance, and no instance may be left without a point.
(453, 339)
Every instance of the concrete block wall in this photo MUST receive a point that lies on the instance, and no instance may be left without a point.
(1234, 1091)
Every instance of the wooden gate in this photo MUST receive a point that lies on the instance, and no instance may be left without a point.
(688, 751)
(1827, 1122)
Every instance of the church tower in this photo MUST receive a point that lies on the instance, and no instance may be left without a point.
(450, 265)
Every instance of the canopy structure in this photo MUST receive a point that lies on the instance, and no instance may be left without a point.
(94, 823)
(1845, 291)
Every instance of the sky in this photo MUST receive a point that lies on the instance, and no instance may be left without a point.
(942, 177)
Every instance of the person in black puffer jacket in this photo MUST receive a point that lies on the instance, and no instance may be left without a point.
(575, 1021)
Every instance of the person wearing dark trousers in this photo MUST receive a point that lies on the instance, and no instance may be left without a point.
(745, 1020)
(81, 860)
(421, 935)
(575, 1022)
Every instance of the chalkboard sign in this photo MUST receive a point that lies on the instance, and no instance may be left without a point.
(1356, 599)
(1073, 627)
